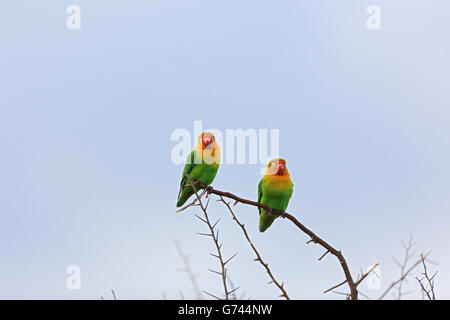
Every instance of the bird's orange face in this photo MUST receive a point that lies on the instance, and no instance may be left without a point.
(207, 140)
(277, 167)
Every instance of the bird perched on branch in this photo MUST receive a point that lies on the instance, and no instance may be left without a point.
(201, 165)
(274, 190)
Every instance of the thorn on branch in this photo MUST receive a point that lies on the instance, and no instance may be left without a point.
(234, 255)
(204, 234)
(215, 297)
(321, 257)
(336, 286)
(214, 271)
(216, 223)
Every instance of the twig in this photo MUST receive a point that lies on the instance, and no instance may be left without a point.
(233, 289)
(424, 290)
(321, 257)
(363, 276)
(258, 256)
(210, 294)
(403, 265)
(336, 286)
(430, 291)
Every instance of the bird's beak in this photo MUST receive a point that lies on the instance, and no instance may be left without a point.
(280, 169)
(206, 141)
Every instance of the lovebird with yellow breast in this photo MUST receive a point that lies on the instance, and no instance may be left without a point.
(274, 190)
(201, 165)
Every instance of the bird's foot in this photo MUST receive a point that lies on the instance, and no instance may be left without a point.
(209, 189)
(282, 214)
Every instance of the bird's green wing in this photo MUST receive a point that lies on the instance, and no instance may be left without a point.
(190, 164)
(259, 194)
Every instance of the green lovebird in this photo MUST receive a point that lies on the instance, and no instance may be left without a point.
(274, 190)
(201, 165)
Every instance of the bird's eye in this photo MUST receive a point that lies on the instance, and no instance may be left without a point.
(273, 164)
(212, 138)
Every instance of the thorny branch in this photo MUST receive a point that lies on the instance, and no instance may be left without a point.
(353, 286)
(214, 234)
(258, 256)
(430, 280)
(402, 266)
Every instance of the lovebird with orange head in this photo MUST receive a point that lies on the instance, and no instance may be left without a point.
(201, 165)
(274, 190)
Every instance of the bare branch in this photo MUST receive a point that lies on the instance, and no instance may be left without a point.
(214, 236)
(404, 274)
(430, 281)
(408, 255)
(313, 237)
(258, 256)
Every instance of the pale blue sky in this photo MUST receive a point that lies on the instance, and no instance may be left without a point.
(86, 118)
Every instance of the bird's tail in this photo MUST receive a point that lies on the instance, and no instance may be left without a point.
(184, 196)
(265, 220)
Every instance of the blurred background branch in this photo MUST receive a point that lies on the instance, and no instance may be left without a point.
(187, 268)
